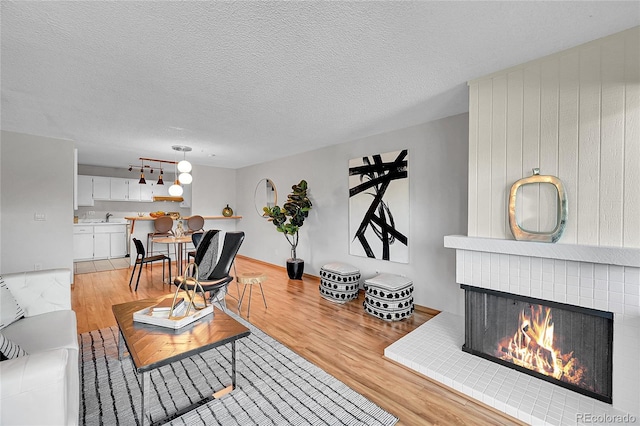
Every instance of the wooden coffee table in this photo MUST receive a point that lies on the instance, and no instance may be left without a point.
(151, 346)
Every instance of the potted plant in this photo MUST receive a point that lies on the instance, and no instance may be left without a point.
(288, 220)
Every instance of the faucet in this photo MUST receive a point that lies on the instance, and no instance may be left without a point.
(108, 216)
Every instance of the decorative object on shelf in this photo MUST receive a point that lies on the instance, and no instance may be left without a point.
(379, 206)
(265, 195)
(179, 230)
(562, 209)
(295, 210)
(159, 213)
(227, 211)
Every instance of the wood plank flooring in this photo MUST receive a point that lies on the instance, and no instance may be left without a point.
(341, 339)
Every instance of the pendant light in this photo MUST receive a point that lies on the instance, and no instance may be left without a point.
(184, 167)
(142, 181)
(160, 180)
(175, 190)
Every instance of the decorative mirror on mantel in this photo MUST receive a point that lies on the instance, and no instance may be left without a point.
(265, 195)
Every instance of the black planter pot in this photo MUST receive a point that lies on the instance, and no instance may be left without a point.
(295, 268)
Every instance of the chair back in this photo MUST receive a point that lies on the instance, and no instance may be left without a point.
(195, 223)
(139, 248)
(163, 224)
(196, 237)
(232, 243)
(207, 253)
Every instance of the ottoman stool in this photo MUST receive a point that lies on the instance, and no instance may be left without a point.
(388, 297)
(339, 282)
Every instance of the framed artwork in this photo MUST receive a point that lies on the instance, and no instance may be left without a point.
(379, 206)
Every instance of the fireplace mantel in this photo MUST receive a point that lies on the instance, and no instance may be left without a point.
(579, 253)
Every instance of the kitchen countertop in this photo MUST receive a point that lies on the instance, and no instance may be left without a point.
(184, 217)
(100, 222)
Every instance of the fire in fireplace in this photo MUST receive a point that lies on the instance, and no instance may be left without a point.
(563, 344)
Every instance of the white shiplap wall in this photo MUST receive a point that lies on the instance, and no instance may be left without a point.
(575, 115)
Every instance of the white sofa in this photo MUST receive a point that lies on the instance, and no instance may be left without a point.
(41, 388)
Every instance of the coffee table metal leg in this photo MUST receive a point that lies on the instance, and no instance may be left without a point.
(144, 412)
(232, 386)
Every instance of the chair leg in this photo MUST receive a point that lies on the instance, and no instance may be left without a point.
(169, 278)
(138, 281)
(163, 261)
(133, 272)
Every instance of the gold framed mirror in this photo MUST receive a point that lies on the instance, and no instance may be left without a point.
(265, 195)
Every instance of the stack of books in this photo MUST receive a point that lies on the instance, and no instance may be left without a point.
(161, 310)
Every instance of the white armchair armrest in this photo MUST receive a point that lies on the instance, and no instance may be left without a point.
(39, 292)
(33, 389)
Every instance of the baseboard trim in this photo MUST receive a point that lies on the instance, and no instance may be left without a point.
(272, 265)
(423, 309)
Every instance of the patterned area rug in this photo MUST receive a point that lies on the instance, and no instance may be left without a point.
(275, 386)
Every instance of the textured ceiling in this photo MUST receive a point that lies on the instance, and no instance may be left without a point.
(255, 81)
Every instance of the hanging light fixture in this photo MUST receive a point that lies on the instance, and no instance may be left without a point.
(176, 190)
(160, 180)
(184, 167)
(142, 181)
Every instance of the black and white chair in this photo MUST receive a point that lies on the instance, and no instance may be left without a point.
(215, 282)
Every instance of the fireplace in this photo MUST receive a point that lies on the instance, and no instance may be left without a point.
(567, 345)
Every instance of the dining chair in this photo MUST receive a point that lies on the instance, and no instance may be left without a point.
(214, 277)
(162, 227)
(142, 259)
(195, 224)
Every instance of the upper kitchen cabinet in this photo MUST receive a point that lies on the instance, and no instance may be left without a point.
(101, 188)
(85, 191)
(120, 189)
(145, 191)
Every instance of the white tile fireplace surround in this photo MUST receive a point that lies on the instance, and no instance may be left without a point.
(603, 278)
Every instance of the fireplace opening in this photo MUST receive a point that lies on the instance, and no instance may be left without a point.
(568, 345)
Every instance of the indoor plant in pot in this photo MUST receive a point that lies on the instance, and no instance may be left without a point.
(288, 220)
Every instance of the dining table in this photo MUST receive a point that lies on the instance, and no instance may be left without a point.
(178, 243)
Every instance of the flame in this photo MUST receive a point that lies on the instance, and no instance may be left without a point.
(532, 347)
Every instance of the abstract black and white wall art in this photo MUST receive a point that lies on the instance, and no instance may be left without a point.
(379, 206)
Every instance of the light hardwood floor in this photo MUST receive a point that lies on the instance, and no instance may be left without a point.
(341, 339)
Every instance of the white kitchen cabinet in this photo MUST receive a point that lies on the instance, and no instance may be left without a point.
(145, 191)
(101, 246)
(161, 190)
(117, 245)
(119, 189)
(101, 188)
(101, 241)
(83, 242)
(85, 190)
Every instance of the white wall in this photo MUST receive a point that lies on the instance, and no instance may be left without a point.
(37, 176)
(438, 202)
(212, 189)
(576, 115)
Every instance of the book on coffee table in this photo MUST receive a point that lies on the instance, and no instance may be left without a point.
(178, 320)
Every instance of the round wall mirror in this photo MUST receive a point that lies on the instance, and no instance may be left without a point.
(265, 195)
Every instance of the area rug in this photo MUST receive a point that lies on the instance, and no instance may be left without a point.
(275, 386)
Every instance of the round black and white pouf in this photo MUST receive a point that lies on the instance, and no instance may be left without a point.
(389, 297)
(339, 282)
